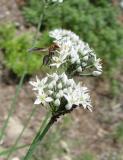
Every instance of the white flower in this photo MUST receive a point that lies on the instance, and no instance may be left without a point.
(58, 87)
(42, 98)
(74, 57)
(57, 34)
(78, 96)
(39, 84)
(71, 83)
(58, 61)
(87, 50)
(73, 49)
(97, 64)
(71, 98)
(53, 76)
(84, 97)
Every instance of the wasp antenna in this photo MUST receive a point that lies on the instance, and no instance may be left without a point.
(37, 49)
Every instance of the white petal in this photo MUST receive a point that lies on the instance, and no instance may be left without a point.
(44, 80)
(48, 99)
(37, 79)
(33, 83)
(37, 101)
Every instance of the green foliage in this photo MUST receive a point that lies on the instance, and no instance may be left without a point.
(44, 40)
(6, 34)
(32, 14)
(95, 21)
(17, 57)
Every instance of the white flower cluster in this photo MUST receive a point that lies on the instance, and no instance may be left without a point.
(54, 88)
(73, 51)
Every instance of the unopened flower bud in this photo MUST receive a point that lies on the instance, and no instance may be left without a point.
(57, 102)
(61, 93)
(79, 69)
(65, 90)
(84, 64)
(58, 95)
(50, 86)
(73, 60)
(54, 83)
(60, 86)
(85, 58)
(78, 61)
(50, 92)
(96, 73)
(68, 107)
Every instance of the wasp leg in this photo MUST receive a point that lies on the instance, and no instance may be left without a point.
(46, 60)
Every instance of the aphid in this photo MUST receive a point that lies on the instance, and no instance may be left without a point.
(51, 50)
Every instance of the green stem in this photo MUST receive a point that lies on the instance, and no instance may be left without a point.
(3, 153)
(86, 74)
(89, 66)
(40, 135)
(12, 108)
(39, 24)
(20, 135)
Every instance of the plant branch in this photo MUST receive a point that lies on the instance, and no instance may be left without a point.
(13, 149)
(39, 136)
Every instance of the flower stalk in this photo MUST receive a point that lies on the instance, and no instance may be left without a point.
(40, 135)
(43, 130)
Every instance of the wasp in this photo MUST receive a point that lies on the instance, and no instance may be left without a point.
(51, 50)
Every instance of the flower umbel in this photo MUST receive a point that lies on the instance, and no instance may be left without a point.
(61, 93)
(74, 52)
